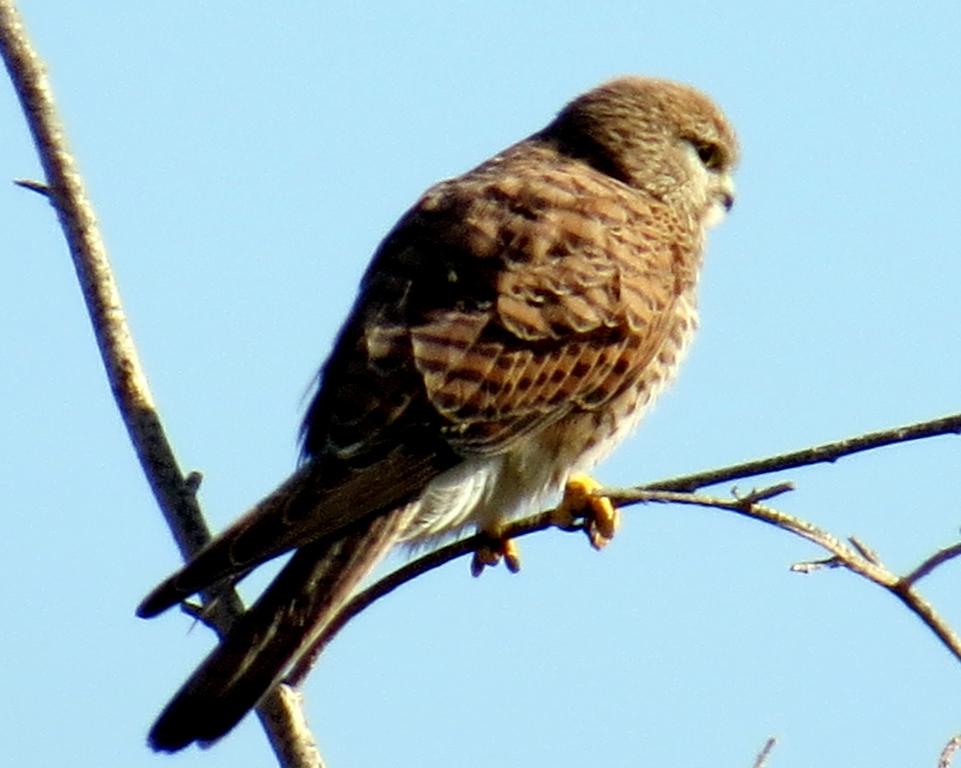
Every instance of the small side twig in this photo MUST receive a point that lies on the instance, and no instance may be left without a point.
(34, 186)
(761, 760)
(858, 557)
(938, 558)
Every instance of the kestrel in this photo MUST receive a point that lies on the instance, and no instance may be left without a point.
(509, 332)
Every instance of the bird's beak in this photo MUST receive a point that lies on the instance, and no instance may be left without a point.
(721, 201)
(726, 193)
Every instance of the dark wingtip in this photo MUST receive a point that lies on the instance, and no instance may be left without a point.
(168, 734)
(162, 597)
(167, 742)
(173, 732)
(203, 711)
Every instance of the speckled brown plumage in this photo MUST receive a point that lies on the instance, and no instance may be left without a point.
(510, 330)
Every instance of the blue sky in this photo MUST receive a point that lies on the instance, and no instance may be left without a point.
(245, 161)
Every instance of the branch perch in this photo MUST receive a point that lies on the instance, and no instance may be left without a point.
(856, 557)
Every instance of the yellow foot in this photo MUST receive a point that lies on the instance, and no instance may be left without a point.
(579, 502)
(497, 549)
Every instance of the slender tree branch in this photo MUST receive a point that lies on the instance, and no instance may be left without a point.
(761, 760)
(34, 186)
(818, 454)
(857, 557)
(938, 558)
(280, 713)
(949, 751)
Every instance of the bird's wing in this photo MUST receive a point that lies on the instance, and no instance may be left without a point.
(563, 281)
(308, 506)
(504, 300)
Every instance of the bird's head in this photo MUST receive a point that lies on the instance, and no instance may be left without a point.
(664, 139)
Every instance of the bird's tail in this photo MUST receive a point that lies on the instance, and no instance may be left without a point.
(276, 631)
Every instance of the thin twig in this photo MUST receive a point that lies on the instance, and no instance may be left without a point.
(857, 558)
(949, 751)
(827, 452)
(864, 550)
(867, 565)
(749, 508)
(65, 190)
(34, 186)
(938, 558)
(761, 760)
(810, 566)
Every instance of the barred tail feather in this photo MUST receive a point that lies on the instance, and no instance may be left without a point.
(277, 629)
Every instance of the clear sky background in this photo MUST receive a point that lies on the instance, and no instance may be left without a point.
(246, 158)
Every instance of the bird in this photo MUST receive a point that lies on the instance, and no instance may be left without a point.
(510, 330)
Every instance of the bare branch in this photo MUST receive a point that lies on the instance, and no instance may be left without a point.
(810, 566)
(34, 186)
(761, 760)
(864, 550)
(747, 507)
(938, 558)
(949, 751)
(64, 188)
(281, 714)
(818, 454)
(859, 559)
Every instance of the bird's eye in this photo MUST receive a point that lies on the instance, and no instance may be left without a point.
(710, 154)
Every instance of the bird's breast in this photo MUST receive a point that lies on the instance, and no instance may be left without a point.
(486, 491)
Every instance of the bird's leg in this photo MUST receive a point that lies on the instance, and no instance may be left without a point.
(579, 502)
(496, 548)
(599, 514)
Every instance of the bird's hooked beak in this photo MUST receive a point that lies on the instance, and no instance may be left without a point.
(726, 192)
(722, 200)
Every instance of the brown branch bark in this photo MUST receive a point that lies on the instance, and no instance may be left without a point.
(280, 712)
